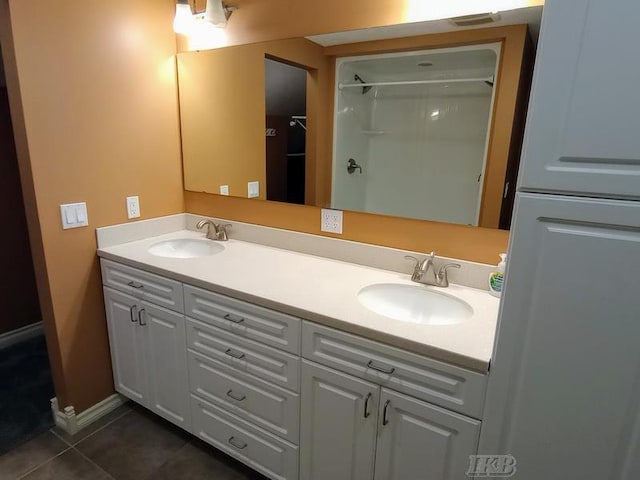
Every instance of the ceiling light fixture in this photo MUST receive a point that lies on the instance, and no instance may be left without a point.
(187, 21)
(217, 13)
(184, 21)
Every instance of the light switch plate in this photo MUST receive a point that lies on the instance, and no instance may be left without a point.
(253, 189)
(331, 221)
(224, 189)
(74, 215)
(133, 207)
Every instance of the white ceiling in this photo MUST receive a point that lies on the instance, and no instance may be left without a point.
(529, 15)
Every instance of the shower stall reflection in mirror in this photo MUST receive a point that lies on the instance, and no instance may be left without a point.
(417, 125)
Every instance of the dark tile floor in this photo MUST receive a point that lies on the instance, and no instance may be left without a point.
(26, 388)
(128, 444)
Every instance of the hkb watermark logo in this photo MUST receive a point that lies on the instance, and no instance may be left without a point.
(485, 466)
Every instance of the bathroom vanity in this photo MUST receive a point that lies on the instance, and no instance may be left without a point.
(269, 356)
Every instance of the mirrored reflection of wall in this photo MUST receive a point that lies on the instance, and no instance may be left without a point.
(420, 148)
(223, 112)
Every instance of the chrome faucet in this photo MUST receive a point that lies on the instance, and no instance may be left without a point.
(425, 271)
(215, 231)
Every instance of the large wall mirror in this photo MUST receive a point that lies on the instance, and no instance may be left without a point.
(420, 121)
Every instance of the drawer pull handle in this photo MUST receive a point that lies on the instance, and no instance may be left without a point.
(233, 319)
(234, 353)
(238, 398)
(387, 370)
(366, 405)
(233, 442)
(141, 317)
(132, 313)
(385, 418)
(135, 284)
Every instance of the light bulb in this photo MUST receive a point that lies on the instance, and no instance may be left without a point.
(184, 21)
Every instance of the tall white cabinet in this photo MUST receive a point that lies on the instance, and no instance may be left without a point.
(564, 387)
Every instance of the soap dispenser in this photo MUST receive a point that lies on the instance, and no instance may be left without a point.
(496, 279)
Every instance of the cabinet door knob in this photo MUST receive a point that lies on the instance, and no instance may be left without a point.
(366, 405)
(385, 412)
(239, 445)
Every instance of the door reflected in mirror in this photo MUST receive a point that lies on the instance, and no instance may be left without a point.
(286, 128)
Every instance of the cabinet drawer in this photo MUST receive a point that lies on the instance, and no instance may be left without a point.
(153, 288)
(248, 356)
(250, 321)
(452, 387)
(250, 398)
(260, 450)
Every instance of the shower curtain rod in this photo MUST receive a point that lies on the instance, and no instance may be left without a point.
(414, 82)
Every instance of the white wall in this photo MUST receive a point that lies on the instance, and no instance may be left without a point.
(353, 118)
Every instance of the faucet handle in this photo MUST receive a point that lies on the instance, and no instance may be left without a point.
(414, 259)
(221, 231)
(443, 278)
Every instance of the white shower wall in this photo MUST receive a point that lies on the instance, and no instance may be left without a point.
(422, 148)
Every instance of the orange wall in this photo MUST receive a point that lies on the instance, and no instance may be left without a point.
(458, 241)
(93, 90)
(223, 114)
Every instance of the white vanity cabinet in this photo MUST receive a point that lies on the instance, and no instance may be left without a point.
(358, 428)
(290, 398)
(582, 126)
(420, 441)
(338, 425)
(148, 355)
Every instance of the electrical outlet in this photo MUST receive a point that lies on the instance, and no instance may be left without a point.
(253, 189)
(331, 221)
(224, 189)
(133, 207)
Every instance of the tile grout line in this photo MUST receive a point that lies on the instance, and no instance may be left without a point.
(28, 472)
(109, 476)
(94, 432)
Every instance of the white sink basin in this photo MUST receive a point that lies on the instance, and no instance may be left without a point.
(185, 248)
(414, 304)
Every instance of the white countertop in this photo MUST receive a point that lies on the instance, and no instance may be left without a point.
(324, 291)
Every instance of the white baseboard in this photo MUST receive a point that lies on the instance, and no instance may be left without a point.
(20, 335)
(72, 423)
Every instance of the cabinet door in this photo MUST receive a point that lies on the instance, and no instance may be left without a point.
(419, 441)
(564, 388)
(127, 345)
(582, 127)
(338, 425)
(166, 350)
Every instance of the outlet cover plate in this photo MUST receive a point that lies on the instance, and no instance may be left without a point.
(331, 221)
(133, 207)
(253, 189)
(224, 189)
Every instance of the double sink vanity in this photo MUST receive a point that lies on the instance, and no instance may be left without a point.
(300, 366)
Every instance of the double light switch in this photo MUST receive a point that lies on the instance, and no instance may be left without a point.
(74, 215)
